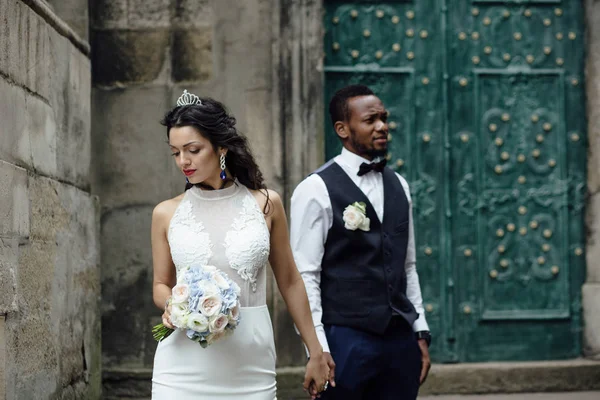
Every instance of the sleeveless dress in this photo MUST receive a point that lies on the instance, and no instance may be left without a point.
(225, 228)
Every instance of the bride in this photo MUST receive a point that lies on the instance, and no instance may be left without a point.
(225, 218)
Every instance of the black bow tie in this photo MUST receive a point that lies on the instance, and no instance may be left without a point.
(374, 166)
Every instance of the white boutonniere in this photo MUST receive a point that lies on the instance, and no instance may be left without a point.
(355, 217)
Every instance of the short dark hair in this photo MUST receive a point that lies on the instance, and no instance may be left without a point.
(338, 106)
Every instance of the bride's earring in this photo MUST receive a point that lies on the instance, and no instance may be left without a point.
(222, 160)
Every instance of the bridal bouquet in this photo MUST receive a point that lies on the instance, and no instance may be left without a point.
(204, 304)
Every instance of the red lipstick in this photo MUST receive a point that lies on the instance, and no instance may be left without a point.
(189, 172)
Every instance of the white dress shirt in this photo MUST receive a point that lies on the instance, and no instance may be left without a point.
(311, 219)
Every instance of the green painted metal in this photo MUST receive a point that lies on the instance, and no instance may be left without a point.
(487, 124)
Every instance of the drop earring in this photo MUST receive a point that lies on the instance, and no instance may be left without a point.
(187, 181)
(222, 161)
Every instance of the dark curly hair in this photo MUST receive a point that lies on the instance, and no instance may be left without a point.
(214, 123)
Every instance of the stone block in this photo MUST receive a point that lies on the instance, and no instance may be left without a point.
(131, 158)
(14, 202)
(108, 14)
(121, 57)
(24, 61)
(9, 249)
(154, 14)
(74, 152)
(51, 135)
(591, 318)
(193, 13)
(58, 292)
(41, 131)
(592, 221)
(192, 54)
(127, 269)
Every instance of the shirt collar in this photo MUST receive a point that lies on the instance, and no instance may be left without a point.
(352, 160)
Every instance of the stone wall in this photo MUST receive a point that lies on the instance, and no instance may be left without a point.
(143, 58)
(591, 289)
(49, 258)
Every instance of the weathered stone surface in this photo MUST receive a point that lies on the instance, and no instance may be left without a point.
(74, 13)
(591, 318)
(14, 144)
(58, 291)
(108, 14)
(592, 22)
(192, 54)
(192, 13)
(50, 134)
(49, 277)
(132, 161)
(128, 56)
(127, 269)
(74, 152)
(259, 131)
(152, 14)
(14, 203)
(29, 135)
(593, 239)
(9, 249)
(24, 61)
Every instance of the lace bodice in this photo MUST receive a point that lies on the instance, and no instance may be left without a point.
(225, 228)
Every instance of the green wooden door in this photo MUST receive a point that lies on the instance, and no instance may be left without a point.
(487, 124)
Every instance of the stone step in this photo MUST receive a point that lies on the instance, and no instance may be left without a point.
(480, 378)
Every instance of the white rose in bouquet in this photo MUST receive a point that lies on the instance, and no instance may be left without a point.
(210, 305)
(210, 268)
(220, 281)
(197, 322)
(179, 314)
(180, 293)
(218, 323)
(209, 288)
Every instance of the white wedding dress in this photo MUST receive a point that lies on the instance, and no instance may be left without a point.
(225, 228)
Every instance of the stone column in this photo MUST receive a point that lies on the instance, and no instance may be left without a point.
(298, 76)
(49, 276)
(591, 288)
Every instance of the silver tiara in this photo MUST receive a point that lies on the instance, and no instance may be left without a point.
(187, 99)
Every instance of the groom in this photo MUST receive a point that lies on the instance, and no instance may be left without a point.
(353, 242)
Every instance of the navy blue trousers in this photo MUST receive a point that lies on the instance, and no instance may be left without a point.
(374, 367)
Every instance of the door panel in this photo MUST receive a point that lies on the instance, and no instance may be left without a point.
(513, 68)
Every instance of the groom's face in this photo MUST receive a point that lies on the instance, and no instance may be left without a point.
(367, 125)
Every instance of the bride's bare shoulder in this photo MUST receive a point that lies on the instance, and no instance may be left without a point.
(163, 212)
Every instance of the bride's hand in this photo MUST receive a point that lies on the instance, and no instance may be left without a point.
(166, 317)
(317, 374)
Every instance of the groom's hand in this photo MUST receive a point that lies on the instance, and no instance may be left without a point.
(425, 360)
(331, 364)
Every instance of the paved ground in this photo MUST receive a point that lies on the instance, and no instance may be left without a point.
(521, 396)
